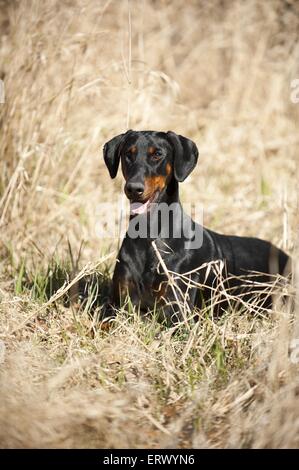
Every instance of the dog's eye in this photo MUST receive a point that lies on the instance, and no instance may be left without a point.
(128, 155)
(157, 154)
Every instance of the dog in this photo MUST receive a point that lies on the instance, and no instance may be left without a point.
(153, 164)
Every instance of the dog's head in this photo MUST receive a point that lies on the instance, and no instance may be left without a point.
(149, 161)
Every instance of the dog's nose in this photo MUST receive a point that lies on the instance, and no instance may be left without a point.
(134, 189)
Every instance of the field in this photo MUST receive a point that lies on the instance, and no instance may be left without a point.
(75, 74)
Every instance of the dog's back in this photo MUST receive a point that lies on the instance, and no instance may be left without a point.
(251, 266)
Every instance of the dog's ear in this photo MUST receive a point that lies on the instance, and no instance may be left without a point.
(112, 150)
(185, 155)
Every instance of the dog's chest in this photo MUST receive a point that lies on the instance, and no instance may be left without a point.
(153, 283)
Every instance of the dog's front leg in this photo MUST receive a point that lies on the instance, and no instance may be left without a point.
(178, 302)
(123, 287)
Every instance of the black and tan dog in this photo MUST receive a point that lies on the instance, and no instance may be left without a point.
(153, 165)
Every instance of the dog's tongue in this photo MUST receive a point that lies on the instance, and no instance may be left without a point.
(139, 207)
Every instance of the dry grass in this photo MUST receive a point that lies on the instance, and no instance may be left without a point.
(75, 74)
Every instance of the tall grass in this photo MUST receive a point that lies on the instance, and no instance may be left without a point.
(75, 74)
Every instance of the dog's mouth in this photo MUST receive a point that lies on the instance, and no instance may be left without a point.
(141, 207)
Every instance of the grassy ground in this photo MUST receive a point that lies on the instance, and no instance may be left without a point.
(75, 74)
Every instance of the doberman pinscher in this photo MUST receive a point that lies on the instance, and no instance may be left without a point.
(153, 164)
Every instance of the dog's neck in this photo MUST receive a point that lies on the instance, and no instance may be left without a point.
(171, 194)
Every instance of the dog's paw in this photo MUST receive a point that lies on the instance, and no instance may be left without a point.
(106, 316)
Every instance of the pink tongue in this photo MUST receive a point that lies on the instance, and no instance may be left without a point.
(138, 207)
